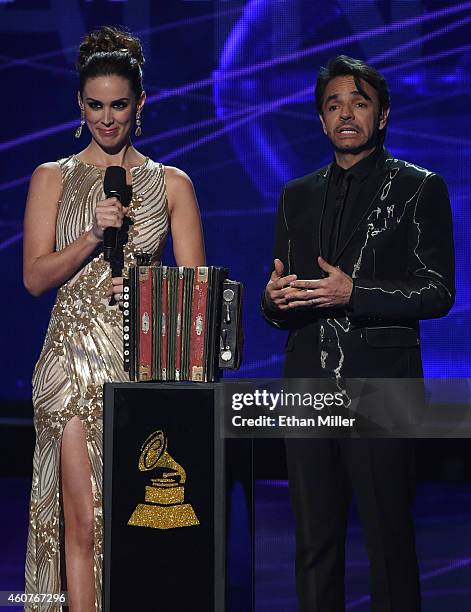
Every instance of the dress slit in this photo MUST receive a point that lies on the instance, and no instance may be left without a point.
(94, 447)
(45, 561)
(45, 549)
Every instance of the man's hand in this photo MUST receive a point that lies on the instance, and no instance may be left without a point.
(278, 286)
(335, 290)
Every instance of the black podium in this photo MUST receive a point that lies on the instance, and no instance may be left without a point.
(167, 472)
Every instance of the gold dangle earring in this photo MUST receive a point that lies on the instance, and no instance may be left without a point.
(138, 130)
(78, 131)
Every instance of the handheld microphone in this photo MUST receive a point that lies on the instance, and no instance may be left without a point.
(114, 185)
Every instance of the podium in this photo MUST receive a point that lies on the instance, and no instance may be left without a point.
(166, 496)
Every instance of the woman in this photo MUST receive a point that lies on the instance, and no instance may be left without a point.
(66, 214)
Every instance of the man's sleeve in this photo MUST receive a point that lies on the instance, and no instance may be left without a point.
(281, 250)
(428, 291)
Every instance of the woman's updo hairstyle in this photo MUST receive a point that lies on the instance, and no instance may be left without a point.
(111, 50)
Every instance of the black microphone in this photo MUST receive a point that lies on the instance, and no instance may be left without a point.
(114, 185)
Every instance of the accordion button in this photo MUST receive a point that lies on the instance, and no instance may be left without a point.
(226, 355)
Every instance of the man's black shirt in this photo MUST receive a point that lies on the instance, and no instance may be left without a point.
(342, 193)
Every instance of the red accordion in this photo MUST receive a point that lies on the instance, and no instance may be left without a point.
(180, 323)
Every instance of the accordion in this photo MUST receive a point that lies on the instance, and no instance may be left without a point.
(180, 323)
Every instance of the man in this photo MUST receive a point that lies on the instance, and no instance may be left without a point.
(363, 250)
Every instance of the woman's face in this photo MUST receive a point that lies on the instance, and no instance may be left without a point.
(110, 108)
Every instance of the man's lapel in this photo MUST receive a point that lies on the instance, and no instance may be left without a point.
(321, 196)
(370, 191)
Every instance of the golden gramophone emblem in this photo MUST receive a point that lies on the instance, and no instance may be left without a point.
(164, 506)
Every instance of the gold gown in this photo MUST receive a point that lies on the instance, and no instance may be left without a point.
(82, 350)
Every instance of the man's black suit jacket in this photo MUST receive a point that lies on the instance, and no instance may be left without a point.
(399, 252)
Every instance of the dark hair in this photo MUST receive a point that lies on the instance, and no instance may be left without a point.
(342, 65)
(111, 50)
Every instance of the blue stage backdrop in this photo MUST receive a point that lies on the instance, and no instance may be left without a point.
(230, 101)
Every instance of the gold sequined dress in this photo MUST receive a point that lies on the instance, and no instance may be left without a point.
(82, 350)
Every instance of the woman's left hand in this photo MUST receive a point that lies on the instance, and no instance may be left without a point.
(116, 290)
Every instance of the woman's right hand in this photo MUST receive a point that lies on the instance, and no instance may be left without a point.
(108, 213)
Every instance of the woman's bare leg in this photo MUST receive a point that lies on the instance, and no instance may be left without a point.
(78, 517)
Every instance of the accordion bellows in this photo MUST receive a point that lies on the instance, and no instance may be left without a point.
(180, 323)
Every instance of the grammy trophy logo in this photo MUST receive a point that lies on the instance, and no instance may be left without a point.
(164, 506)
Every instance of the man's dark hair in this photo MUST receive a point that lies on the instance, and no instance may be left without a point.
(342, 65)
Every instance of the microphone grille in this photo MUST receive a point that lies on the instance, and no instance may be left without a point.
(115, 179)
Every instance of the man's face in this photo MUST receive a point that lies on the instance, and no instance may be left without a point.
(349, 119)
